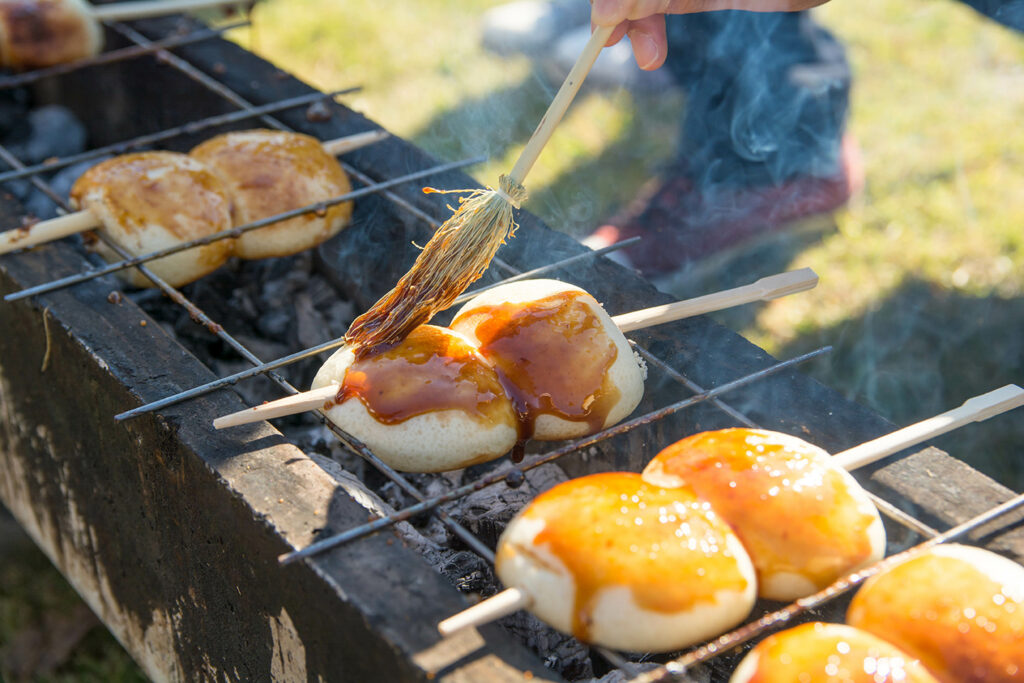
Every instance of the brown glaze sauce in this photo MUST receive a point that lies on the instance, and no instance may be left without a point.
(39, 33)
(614, 529)
(964, 626)
(154, 188)
(793, 513)
(819, 652)
(274, 172)
(552, 355)
(431, 371)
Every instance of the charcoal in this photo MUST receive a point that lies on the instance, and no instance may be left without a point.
(41, 205)
(14, 107)
(53, 132)
(562, 653)
(468, 572)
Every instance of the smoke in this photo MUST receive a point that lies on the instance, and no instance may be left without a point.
(767, 96)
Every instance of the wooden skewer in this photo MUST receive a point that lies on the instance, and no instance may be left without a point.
(770, 287)
(47, 231)
(493, 608)
(973, 410)
(560, 103)
(290, 405)
(340, 146)
(126, 11)
(765, 289)
(80, 221)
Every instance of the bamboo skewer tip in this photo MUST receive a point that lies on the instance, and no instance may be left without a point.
(141, 9)
(48, 230)
(493, 608)
(975, 409)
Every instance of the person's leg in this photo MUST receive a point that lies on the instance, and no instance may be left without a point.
(761, 142)
(1007, 12)
(767, 96)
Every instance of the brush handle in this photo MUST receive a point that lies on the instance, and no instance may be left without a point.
(559, 105)
(973, 410)
(47, 231)
(765, 289)
(125, 11)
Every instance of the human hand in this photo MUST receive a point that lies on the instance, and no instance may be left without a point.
(644, 20)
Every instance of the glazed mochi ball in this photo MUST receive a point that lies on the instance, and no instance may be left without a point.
(268, 172)
(564, 363)
(619, 562)
(41, 33)
(828, 653)
(958, 608)
(154, 200)
(429, 404)
(805, 521)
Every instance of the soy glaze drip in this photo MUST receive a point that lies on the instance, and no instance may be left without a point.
(432, 370)
(552, 355)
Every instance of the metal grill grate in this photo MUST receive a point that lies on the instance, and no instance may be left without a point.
(714, 399)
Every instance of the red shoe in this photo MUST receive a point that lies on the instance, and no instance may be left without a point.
(680, 225)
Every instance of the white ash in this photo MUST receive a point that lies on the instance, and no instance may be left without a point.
(39, 134)
(53, 132)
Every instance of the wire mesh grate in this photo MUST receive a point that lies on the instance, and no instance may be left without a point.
(697, 394)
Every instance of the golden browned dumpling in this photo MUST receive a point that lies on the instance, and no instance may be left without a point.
(958, 608)
(804, 521)
(618, 562)
(38, 33)
(828, 653)
(153, 200)
(269, 172)
(563, 362)
(432, 403)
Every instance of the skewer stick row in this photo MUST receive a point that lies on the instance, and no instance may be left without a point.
(232, 232)
(118, 55)
(766, 288)
(84, 220)
(545, 458)
(190, 128)
(975, 409)
(229, 380)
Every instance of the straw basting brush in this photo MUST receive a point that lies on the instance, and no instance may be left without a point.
(462, 248)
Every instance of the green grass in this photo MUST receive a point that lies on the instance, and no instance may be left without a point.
(33, 596)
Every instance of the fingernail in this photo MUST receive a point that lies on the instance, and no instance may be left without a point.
(645, 49)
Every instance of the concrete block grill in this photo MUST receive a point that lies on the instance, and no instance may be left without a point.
(171, 531)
